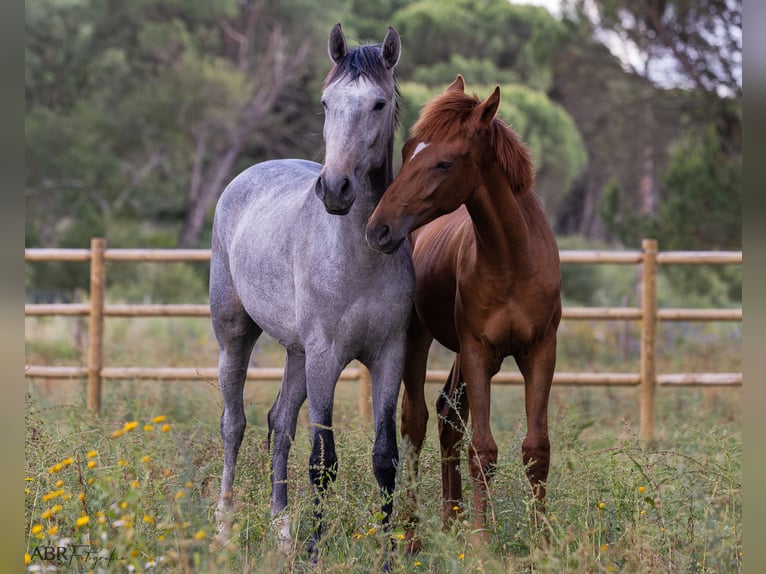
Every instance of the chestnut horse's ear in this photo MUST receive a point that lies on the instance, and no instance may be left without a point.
(391, 48)
(485, 111)
(336, 44)
(458, 84)
(408, 149)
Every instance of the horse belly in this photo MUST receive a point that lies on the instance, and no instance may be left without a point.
(263, 242)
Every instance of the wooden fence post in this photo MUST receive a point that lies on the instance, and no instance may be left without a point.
(365, 393)
(96, 324)
(648, 338)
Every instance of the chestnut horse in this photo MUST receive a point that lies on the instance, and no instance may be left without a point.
(487, 286)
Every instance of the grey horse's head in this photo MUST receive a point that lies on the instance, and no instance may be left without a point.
(361, 115)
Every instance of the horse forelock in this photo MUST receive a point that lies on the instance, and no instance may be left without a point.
(444, 118)
(365, 61)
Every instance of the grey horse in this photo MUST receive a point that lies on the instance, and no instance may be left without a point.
(289, 257)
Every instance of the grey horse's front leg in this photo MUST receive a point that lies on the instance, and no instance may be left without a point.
(322, 372)
(386, 373)
(283, 418)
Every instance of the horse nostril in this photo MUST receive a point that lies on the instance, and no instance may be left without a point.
(384, 234)
(319, 187)
(345, 186)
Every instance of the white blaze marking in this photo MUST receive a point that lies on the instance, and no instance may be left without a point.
(420, 147)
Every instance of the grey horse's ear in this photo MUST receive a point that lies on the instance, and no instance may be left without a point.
(392, 48)
(336, 44)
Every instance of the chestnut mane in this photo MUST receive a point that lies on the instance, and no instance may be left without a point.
(444, 117)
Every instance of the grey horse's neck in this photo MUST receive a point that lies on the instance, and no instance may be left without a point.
(378, 180)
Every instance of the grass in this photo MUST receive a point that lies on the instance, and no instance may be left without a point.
(149, 490)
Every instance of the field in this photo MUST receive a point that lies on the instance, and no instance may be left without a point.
(136, 486)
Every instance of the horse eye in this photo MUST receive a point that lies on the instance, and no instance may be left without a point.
(444, 165)
(379, 105)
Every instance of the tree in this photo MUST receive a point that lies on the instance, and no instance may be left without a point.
(141, 112)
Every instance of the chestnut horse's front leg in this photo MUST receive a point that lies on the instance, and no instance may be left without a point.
(478, 367)
(414, 423)
(537, 366)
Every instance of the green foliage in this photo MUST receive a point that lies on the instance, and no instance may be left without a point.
(612, 504)
(700, 208)
(595, 285)
(702, 204)
(512, 37)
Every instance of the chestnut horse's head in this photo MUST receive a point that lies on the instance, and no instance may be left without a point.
(443, 163)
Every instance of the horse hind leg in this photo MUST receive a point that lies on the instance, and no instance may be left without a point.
(282, 419)
(452, 408)
(236, 340)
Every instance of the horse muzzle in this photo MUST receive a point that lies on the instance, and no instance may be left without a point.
(381, 238)
(337, 193)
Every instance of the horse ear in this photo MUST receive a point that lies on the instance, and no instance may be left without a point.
(457, 85)
(336, 44)
(485, 111)
(392, 48)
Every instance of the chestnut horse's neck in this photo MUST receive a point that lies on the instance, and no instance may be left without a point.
(501, 222)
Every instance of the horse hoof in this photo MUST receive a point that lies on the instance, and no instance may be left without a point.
(412, 544)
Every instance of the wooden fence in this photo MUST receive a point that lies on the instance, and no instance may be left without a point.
(648, 314)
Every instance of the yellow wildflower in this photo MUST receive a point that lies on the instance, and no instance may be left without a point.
(56, 508)
(92, 464)
(53, 530)
(165, 428)
(418, 563)
(59, 483)
(456, 508)
(601, 505)
(36, 529)
(370, 532)
(159, 419)
(180, 494)
(134, 484)
(92, 454)
(67, 461)
(160, 538)
(148, 428)
(641, 489)
(400, 536)
(27, 558)
(357, 535)
(200, 535)
(189, 484)
(148, 519)
(81, 496)
(122, 463)
(461, 556)
(82, 521)
(118, 433)
(55, 468)
(28, 479)
(123, 505)
(146, 458)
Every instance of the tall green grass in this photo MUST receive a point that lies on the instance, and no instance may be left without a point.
(149, 490)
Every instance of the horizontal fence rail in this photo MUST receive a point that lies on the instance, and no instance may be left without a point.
(648, 314)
